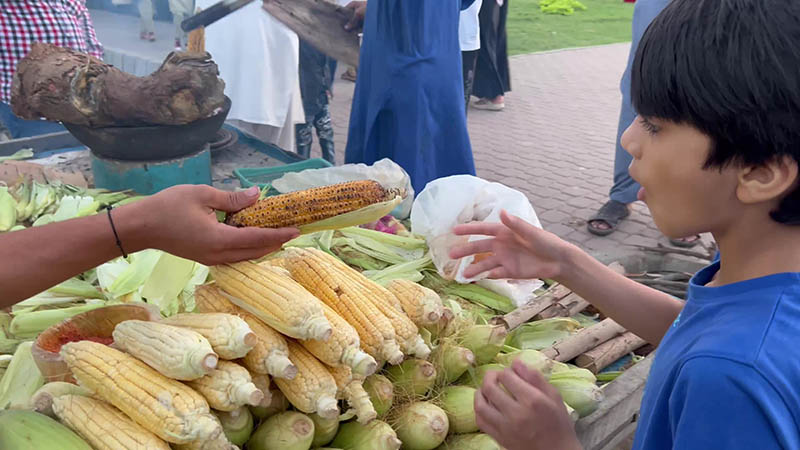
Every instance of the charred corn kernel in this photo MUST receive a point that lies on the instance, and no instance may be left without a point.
(175, 352)
(294, 209)
(229, 335)
(264, 385)
(411, 343)
(269, 354)
(343, 348)
(313, 389)
(351, 389)
(271, 294)
(168, 408)
(422, 305)
(228, 387)
(104, 426)
(314, 271)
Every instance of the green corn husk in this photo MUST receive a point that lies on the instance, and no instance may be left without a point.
(375, 435)
(42, 399)
(472, 441)
(361, 216)
(8, 210)
(561, 370)
(30, 430)
(451, 362)
(474, 378)
(76, 287)
(285, 431)
(413, 377)
(29, 324)
(572, 413)
(5, 361)
(237, 425)
(21, 380)
(471, 292)
(394, 240)
(357, 259)
(532, 358)
(381, 393)
(583, 396)
(25, 153)
(324, 429)
(421, 426)
(458, 402)
(410, 270)
(278, 404)
(485, 341)
(607, 377)
(542, 334)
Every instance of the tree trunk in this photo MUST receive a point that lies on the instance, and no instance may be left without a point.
(63, 85)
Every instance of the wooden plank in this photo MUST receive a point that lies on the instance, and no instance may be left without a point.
(605, 354)
(618, 410)
(584, 340)
(531, 309)
(567, 307)
(321, 24)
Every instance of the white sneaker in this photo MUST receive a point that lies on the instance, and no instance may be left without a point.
(488, 105)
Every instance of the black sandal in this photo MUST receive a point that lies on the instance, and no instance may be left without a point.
(684, 243)
(612, 214)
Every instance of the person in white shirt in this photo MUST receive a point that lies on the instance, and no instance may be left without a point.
(469, 36)
(258, 58)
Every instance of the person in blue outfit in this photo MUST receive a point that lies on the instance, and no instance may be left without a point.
(408, 103)
(716, 148)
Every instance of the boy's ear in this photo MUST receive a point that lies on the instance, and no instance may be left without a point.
(767, 182)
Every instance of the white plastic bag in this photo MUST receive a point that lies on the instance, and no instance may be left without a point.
(386, 172)
(447, 202)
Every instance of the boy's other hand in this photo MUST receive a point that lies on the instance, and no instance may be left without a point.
(359, 9)
(522, 411)
(517, 249)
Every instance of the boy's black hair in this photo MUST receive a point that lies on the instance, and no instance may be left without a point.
(731, 69)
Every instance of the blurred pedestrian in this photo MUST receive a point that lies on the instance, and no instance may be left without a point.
(315, 80)
(492, 79)
(469, 36)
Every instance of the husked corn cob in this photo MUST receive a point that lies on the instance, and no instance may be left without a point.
(351, 389)
(270, 354)
(411, 343)
(313, 389)
(343, 348)
(175, 352)
(168, 408)
(294, 209)
(228, 387)
(42, 400)
(316, 274)
(422, 305)
(271, 294)
(229, 335)
(104, 426)
(264, 385)
(219, 442)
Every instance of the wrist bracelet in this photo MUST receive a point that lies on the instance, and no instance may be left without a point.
(114, 229)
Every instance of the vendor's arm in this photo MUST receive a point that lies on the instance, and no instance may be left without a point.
(720, 403)
(180, 220)
(520, 250)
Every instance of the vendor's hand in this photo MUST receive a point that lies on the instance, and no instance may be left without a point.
(522, 411)
(182, 221)
(359, 9)
(518, 249)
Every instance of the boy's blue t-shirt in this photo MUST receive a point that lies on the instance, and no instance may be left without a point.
(727, 373)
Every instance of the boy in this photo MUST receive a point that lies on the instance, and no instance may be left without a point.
(716, 148)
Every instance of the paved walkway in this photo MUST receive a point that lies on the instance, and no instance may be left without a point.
(554, 141)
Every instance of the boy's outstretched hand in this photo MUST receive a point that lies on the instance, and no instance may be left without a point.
(517, 249)
(522, 411)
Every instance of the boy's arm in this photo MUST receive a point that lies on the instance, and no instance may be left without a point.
(180, 220)
(523, 251)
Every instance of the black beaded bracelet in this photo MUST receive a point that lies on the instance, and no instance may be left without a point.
(114, 229)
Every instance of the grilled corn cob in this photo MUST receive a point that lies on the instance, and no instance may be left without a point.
(343, 348)
(168, 408)
(313, 389)
(422, 305)
(175, 352)
(351, 389)
(229, 336)
(271, 294)
(228, 387)
(294, 209)
(270, 354)
(104, 426)
(411, 343)
(317, 275)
